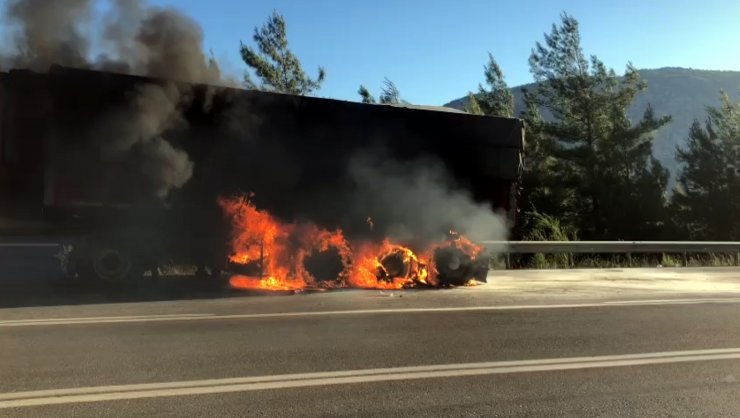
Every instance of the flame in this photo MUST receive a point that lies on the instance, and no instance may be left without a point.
(266, 283)
(275, 253)
(369, 272)
(313, 239)
(462, 243)
(454, 240)
(277, 250)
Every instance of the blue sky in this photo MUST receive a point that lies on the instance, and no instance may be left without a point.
(434, 50)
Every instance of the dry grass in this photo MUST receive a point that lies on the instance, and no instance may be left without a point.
(563, 261)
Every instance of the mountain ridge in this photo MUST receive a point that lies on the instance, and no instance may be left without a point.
(680, 92)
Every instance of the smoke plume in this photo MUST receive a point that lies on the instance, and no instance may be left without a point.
(137, 130)
(134, 38)
(156, 42)
(419, 201)
(47, 32)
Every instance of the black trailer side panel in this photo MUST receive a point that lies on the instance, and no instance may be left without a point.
(293, 152)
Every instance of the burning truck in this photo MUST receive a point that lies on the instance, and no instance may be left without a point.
(281, 191)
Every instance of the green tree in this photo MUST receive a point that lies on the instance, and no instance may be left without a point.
(542, 190)
(611, 187)
(277, 68)
(389, 94)
(496, 99)
(365, 95)
(473, 107)
(633, 197)
(707, 198)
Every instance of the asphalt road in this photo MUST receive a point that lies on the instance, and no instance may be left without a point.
(571, 343)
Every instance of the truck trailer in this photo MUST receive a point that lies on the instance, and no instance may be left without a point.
(66, 171)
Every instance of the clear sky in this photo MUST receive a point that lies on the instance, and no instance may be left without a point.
(434, 50)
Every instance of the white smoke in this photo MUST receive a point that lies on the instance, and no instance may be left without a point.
(418, 200)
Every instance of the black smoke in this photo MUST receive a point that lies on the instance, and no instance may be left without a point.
(133, 38)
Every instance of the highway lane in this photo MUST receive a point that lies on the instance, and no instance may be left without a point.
(205, 350)
(47, 295)
(690, 389)
(185, 349)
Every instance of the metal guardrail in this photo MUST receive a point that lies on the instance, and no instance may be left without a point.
(614, 247)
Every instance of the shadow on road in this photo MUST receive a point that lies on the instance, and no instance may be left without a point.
(33, 277)
(65, 292)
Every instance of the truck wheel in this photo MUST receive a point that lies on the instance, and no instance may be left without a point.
(454, 268)
(113, 262)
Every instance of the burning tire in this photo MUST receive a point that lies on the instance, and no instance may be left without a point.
(459, 261)
(325, 266)
(456, 268)
(394, 265)
(401, 266)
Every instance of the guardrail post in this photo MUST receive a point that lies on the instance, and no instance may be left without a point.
(629, 259)
(507, 260)
(685, 259)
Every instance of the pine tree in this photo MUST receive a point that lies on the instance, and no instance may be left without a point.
(707, 199)
(497, 99)
(611, 185)
(633, 196)
(277, 68)
(542, 190)
(365, 95)
(389, 94)
(473, 107)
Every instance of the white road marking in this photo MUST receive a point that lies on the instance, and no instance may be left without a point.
(98, 319)
(28, 244)
(286, 381)
(210, 316)
(674, 301)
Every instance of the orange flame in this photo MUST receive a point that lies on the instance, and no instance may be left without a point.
(313, 239)
(276, 253)
(369, 272)
(266, 283)
(277, 250)
(458, 241)
(464, 244)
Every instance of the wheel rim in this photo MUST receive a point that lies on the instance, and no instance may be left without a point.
(111, 264)
(454, 263)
